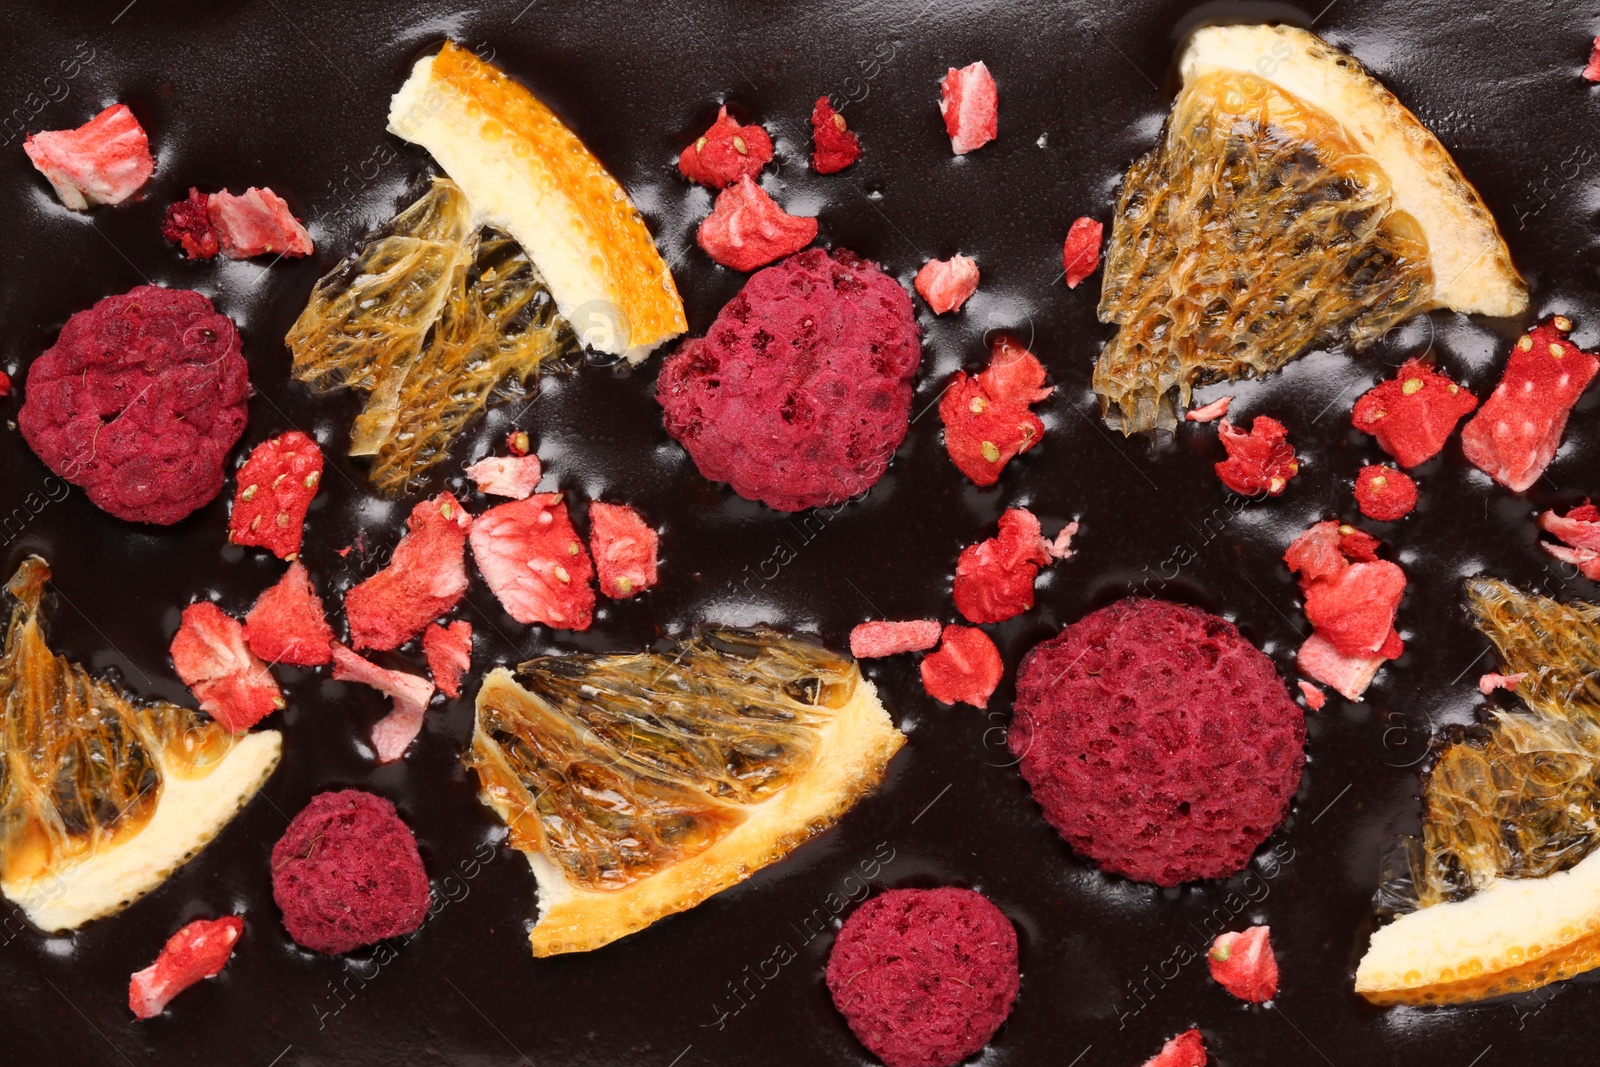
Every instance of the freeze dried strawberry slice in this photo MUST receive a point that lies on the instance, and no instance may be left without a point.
(1243, 964)
(193, 954)
(871, 640)
(1358, 546)
(994, 578)
(1488, 683)
(1080, 254)
(947, 283)
(424, 579)
(1188, 1049)
(965, 669)
(725, 153)
(1348, 675)
(986, 418)
(624, 548)
(274, 489)
(1210, 412)
(1316, 555)
(449, 652)
(256, 223)
(534, 562)
(509, 476)
(747, 229)
(1515, 436)
(970, 104)
(836, 145)
(232, 685)
(1356, 610)
(1315, 698)
(1261, 461)
(188, 223)
(288, 624)
(1592, 71)
(408, 699)
(104, 161)
(1580, 529)
(1414, 413)
(1385, 494)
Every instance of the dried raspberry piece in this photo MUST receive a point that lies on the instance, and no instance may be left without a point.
(1488, 683)
(1385, 494)
(1580, 529)
(534, 562)
(1592, 71)
(509, 476)
(725, 153)
(1243, 964)
(449, 652)
(1356, 610)
(424, 579)
(256, 223)
(1188, 1049)
(104, 161)
(1414, 413)
(994, 578)
(970, 104)
(1315, 698)
(408, 698)
(1348, 675)
(747, 229)
(193, 954)
(1515, 436)
(275, 487)
(966, 668)
(947, 283)
(231, 684)
(1080, 254)
(837, 146)
(624, 548)
(288, 624)
(1210, 412)
(1261, 461)
(986, 418)
(871, 640)
(188, 223)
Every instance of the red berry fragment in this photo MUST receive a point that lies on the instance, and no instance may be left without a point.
(104, 161)
(1210, 412)
(193, 954)
(947, 283)
(424, 579)
(1488, 683)
(288, 623)
(408, 697)
(1259, 462)
(970, 104)
(994, 578)
(747, 229)
(1580, 529)
(1356, 610)
(274, 490)
(986, 418)
(1385, 494)
(1188, 1049)
(534, 562)
(1592, 71)
(871, 640)
(1243, 964)
(188, 223)
(726, 153)
(232, 685)
(624, 548)
(256, 223)
(1315, 698)
(449, 652)
(509, 476)
(1351, 600)
(837, 146)
(1348, 675)
(1080, 255)
(966, 668)
(1414, 413)
(517, 443)
(1515, 436)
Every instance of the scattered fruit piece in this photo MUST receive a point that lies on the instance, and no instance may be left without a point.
(232, 685)
(1188, 1049)
(966, 668)
(726, 152)
(994, 578)
(1349, 676)
(1592, 71)
(1243, 964)
(970, 104)
(509, 476)
(1580, 529)
(1385, 494)
(1080, 254)
(624, 549)
(408, 699)
(274, 490)
(104, 161)
(1414, 413)
(986, 418)
(449, 652)
(1261, 461)
(424, 579)
(836, 145)
(534, 562)
(1488, 683)
(198, 951)
(1060, 547)
(1355, 610)
(1210, 412)
(288, 624)
(188, 223)
(518, 444)
(871, 640)
(256, 223)
(1314, 697)
(946, 284)
(747, 229)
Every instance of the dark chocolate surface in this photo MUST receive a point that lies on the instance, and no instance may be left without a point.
(294, 95)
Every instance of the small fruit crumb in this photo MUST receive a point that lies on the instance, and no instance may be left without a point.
(871, 640)
(1259, 462)
(1080, 254)
(1210, 412)
(1315, 698)
(836, 145)
(716, 158)
(970, 104)
(946, 284)
(1488, 683)
(1384, 493)
(1244, 965)
(1592, 71)
(198, 951)
(1188, 1049)
(966, 668)
(747, 229)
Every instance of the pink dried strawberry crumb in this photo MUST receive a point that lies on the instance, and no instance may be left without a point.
(534, 562)
(449, 652)
(1349, 676)
(258, 222)
(1210, 412)
(232, 685)
(104, 161)
(1244, 964)
(747, 229)
(514, 477)
(871, 640)
(1592, 71)
(1315, 698)
(946, 284)
(970, 104)
(1188, 1049)
(408, 696)
(1488, 683)
(1080, 254)
(1259, 462)
(726, 152)
(198, 951)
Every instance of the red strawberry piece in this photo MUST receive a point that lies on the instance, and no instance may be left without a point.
(193, 954)
(1210, 412)
(449, 652)
(104, 161)
(725, 153)
(994, 578)
(747, 229)
(534, 562)
(1385, 494)
(274, 489)
(1261, 461)
(624, 548)
(1356, 610)
(965, 669)
(287, 624)
(1358, 546)
(188, 223)
(1080, 254)
(986, 418)
(1060, 547)
(408, 697)
(1515, 436)
(1592, 71)
(970, 104)
(508, 476)
(424, 579)
(1315, 698)
(1580, 529)
(1316, 555)
(1348, 675)
(232, 685)
(256, 223)
(5, 384)
(1243, 964)
(947, 283)
(1587, 560)
(871, 640)
(1188, 1049)
(517, 443)
(836, 145)
(1488, 683)
(1413, 413)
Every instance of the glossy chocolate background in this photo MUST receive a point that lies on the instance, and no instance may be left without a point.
(293, 95)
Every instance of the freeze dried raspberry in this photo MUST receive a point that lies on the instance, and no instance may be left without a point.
(288, 623)
(193, 954)
(1414, 413)
(1314, 697)
(1592, 71)
(965, 669)
(509, 476)
(1243, 964)
(449, 652)
(871, 640)
(424, 579)
(408, 701)
(624, 549)
(747, 229)
(139, 401)
(1348, 675)
(970, 104)
(232, 685)
(726, 152)
(986, 417)
(1188, 1049)
(104, 161)
(534, 562)
(1488, 683)
(836, 145)
(994, 578)
(274, 490)
(1580, 529)
(256, 223)
(1515, 436)
(947, 283)
(188, 223)
(1385, 494)
(1210, 412)
(1080, 254)
(1261, 461)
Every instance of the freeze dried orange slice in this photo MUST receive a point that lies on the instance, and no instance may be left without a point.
(1291, 201)
(639, 785)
